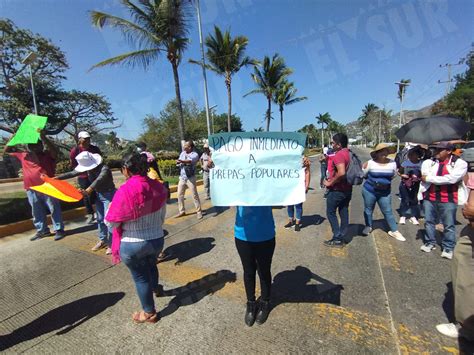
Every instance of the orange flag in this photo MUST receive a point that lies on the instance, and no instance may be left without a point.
(59, 189)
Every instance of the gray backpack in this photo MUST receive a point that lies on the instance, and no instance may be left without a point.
(354, 173)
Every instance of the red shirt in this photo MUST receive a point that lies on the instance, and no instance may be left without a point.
(77, 150)
(442, 193)
(340, 157)
(34, 165)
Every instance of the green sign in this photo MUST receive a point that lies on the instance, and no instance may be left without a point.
(28, 131)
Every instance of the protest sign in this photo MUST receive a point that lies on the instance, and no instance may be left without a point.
(257, 168)
(28, 133)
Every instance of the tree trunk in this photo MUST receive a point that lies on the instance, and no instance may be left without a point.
(174, 64)
(281, 117)
(269, 114)
(229, 99)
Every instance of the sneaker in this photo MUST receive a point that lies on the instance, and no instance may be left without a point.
(414, 221)
(90, 219)
(397, 235)
(100, 244)
(427, 247)
(447, 254)
(402, 220)
(199, 215)
(367, 230)
(40, 235)
(333, 243)
(297, 227)
(289, 224)
(448, 329)
(108, 251)
(59, 235)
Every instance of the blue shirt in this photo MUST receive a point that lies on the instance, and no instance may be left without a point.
(254, 224)
(193, 156)
(410, 168)
(379, 175)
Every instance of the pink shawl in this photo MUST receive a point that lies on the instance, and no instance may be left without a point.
(136, 198)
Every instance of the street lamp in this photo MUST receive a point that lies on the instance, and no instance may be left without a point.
(211, 109)
(206, 98)
(30, 58)
(401, 85)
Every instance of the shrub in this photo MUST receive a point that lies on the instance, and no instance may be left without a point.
(168, 167)
(63, 166)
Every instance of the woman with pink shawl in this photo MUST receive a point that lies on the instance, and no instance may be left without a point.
(136, 215)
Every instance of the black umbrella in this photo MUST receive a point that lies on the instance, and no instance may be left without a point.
(433, 129)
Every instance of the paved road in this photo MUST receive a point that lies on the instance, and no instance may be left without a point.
(377, 295)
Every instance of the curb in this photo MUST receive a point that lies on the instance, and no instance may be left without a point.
(27, 225)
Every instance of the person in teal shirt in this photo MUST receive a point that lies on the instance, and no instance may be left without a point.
(254, 233)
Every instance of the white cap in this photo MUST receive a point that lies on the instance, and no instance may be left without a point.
(87, 161)
(83, 134)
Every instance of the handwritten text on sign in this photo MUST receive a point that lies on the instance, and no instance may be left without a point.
(257, 168)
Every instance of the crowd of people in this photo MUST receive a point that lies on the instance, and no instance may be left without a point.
(130, 219)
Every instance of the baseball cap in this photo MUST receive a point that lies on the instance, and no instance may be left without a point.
(442, 145)
(83, 134)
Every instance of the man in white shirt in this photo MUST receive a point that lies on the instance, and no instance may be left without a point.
(187, 178)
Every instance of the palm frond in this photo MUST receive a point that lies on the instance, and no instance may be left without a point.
(142, 58)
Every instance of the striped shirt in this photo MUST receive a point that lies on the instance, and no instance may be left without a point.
(148, 227)
(379, 176)
(442, 193)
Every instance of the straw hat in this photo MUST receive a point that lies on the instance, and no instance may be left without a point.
(87, 161)
(391, 149)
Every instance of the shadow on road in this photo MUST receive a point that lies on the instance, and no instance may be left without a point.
(448, 302)
(302, 285)
(196, 290)
(314, 219)
(353, 230)
(82, 229)
(187, 250)
(64, 318)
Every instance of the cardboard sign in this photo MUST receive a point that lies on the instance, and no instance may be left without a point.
(257, 168)
(28, 133)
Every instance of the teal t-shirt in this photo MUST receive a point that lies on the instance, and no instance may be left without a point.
(254, 224)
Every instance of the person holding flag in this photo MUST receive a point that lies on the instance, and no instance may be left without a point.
(35, 162)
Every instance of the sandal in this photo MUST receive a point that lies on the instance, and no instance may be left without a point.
(143, 317)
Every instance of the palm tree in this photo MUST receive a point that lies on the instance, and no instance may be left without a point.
(226, 56)
(268, 79)
(286, 95)
(157, 26)
(367, 119)
(323, 119)
(402, 85)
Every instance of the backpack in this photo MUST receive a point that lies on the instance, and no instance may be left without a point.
(354, 173)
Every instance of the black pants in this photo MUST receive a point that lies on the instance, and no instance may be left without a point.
(256, 256)
(84, 183)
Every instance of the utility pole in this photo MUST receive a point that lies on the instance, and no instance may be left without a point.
(402, 87)
(206, 98)
(380, 125)
(450, 80)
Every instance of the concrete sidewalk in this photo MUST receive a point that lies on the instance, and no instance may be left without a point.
(374, 296)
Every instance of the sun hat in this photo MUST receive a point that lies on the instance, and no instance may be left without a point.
(83, 134)
(391, 149)
(87, 161)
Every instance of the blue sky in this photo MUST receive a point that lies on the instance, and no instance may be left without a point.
(345, 54)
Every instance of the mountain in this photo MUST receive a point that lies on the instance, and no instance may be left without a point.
(353, 129)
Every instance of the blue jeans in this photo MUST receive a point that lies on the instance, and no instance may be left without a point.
(40, 203)
(385, 204)
(101, 206)
(409, 205)
(338, 200)
(299, 211)
(324, 168)
(140, 258)
(445, 212)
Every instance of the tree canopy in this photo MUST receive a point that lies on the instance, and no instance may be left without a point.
(70, 111)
